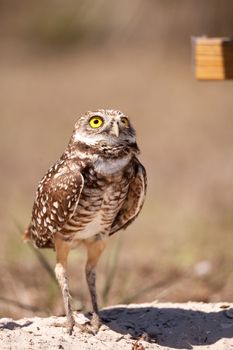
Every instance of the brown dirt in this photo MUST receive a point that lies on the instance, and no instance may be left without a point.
(136, 327)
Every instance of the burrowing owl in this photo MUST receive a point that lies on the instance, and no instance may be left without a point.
(95, 189)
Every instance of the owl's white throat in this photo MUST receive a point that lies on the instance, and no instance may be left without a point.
(105, 166)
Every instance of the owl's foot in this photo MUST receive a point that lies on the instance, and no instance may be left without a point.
(92, 326)
(68, 325)
(95, 322)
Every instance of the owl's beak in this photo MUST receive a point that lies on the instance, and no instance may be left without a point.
(115, 130)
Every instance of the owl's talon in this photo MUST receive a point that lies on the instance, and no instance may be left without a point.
(91, 327)
(95, 322)
(85, 328)
(70, 326)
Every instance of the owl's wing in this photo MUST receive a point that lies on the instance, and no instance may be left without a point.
(134, 200)
(56, 199)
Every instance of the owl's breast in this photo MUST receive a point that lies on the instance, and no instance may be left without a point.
(98, 206)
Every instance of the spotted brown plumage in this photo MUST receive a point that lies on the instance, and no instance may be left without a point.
(95, 189)
(56, 199)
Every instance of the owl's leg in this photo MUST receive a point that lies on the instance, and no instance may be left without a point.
(94, 251)
(62, 251)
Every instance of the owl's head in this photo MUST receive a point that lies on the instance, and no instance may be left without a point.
(104, 127)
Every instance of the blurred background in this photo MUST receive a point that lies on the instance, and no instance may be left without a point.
(61, 58)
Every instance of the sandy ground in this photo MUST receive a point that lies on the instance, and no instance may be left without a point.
(136, 326)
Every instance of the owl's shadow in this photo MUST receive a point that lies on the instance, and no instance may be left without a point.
(172, 327)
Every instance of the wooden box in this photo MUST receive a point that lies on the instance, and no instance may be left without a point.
(213, 58)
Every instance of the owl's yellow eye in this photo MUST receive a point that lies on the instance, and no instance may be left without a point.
(125, 121)
(96, 122)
